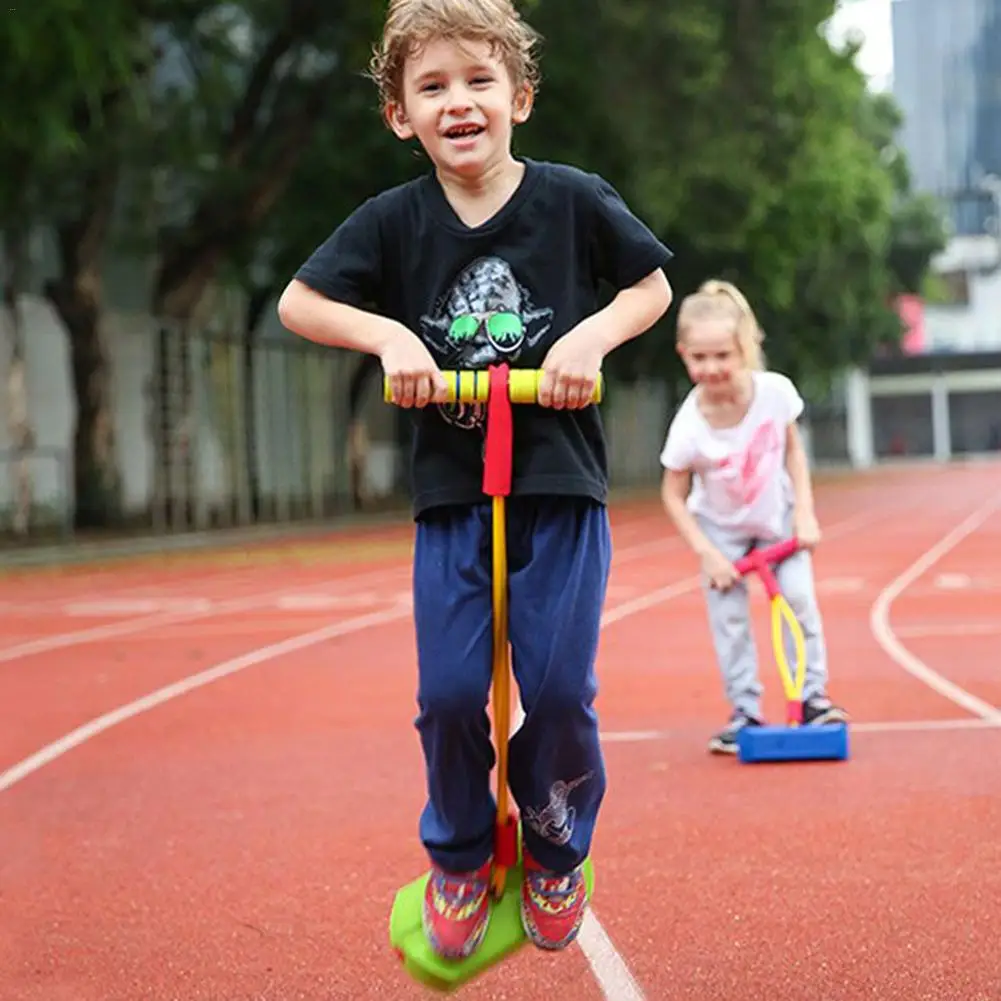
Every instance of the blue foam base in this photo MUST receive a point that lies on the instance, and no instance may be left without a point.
(793, 743)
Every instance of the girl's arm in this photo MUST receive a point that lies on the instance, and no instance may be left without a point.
(674, 489)
(798, 466)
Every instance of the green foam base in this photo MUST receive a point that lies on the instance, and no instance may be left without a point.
(504, 936)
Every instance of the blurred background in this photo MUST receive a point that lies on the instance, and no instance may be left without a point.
(165, 165)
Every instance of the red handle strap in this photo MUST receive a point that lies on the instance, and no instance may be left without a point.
(499, 448)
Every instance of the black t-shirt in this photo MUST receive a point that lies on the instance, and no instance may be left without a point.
(500, 292)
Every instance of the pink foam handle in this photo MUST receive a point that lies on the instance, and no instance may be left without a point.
(757, 559)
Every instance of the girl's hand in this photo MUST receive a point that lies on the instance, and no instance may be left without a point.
(806, 528)
(719, 571)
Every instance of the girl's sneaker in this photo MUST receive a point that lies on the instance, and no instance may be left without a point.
(456, 911)
(725, 742)
(819, 709)
(553, 904)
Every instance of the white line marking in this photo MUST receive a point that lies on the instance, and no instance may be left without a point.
(136, 606)
(89, 730)
(953, 581)
(271, 651)
(889, 726)
(614, 978)
(115, 629)
(325, 602)
(615, 981)
(945, 629)
(879, 617)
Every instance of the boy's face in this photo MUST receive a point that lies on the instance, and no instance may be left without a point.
(460, 103)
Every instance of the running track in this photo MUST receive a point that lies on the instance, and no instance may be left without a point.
(209, 780)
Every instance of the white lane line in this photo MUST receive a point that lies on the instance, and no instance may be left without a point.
(614, 978)
(128, 627)
(128, 711)
(879, 617)
(610, 970)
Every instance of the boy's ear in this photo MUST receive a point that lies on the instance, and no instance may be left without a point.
(524, 100)
(396, 119)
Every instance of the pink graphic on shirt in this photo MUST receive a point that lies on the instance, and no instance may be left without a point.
(748, 471)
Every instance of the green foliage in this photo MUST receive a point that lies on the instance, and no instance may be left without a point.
(731, 126)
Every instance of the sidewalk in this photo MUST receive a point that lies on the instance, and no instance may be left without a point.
(124, 547)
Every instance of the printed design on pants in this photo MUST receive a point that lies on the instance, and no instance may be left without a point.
(746, 473)
(554, 821)
(486, 317)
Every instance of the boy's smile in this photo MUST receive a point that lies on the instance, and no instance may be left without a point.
(460, 102)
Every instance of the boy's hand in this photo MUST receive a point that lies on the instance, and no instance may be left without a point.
(413, 376)
(571, 369)
(719, 571)
(806, 528)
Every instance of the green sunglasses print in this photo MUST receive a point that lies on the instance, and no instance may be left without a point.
(504, 329)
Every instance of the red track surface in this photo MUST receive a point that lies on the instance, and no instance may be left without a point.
(243, 840)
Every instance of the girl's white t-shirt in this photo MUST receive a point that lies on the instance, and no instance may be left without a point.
(739, 481)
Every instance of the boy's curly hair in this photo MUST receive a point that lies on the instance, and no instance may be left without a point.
(411, 24)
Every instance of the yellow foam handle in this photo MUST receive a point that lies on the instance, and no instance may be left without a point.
(783, 613)
(469, 386)
(501, 672)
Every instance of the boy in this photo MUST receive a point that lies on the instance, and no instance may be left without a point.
(491, 259)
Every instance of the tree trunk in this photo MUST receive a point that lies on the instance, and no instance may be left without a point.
(96, 479)
(257, 302)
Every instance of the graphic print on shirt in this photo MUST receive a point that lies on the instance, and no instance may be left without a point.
(746, 473)
(485, 318)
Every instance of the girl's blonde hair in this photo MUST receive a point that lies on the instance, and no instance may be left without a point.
(411, 24)
(720, 300)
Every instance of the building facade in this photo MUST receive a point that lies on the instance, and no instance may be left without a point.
(947, 81)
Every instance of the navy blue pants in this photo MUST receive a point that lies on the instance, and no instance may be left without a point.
(559, 552)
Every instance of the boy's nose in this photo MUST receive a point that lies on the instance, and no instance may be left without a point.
(459, 100)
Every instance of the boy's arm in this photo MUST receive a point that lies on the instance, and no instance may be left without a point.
(633, 311)
(335, 324)
(674, 489)
(412, 373)
(573, 363)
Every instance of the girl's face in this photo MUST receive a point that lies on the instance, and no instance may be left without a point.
(711, 354)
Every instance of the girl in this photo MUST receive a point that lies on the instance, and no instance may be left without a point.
(736, 475)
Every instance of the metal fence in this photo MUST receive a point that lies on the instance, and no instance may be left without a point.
(215, 431)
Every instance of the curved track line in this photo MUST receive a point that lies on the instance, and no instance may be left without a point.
(78, 637)
(271, 651)
(879, 617)
(610, 970)
(106, 721)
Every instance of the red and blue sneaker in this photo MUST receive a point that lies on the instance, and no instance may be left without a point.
(456, 911)
(553, 904)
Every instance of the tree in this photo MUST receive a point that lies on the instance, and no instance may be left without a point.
(66, 63)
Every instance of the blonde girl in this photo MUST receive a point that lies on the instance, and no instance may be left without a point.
(736, 475)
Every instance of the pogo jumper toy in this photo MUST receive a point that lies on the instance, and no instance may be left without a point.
(498, 388)
(792, 742)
